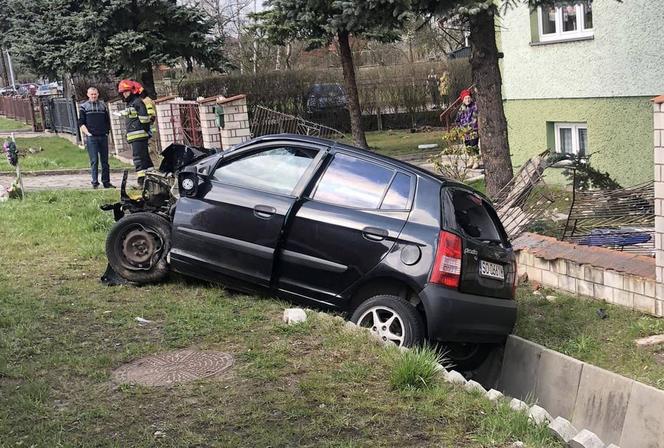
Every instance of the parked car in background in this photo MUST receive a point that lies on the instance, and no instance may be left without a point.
(8, 91)
(409, 255)
(47, 90)
(322, 97)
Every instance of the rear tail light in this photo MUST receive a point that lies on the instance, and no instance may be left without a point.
(447, 267)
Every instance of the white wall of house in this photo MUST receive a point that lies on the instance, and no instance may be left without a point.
(624, 58)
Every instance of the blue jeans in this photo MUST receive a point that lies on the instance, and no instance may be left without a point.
(97, 146)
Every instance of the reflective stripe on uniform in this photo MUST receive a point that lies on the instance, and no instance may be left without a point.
(131, 112)
(136, 135)
(144, 119)
(140, 173)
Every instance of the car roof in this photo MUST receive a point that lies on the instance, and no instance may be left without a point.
(363, 152)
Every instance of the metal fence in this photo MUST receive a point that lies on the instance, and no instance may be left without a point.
(62, 115)
(267, 121)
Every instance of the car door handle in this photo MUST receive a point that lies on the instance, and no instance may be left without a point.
(375, 233)
(264, 211)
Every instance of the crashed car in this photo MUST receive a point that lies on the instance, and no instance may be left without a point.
(407, 254)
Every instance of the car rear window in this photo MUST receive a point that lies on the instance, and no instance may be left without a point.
(473, 217)
(353, 182)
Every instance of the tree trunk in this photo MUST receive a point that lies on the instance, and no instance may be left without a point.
(491, 116)
(3, 69)
(351, 89)
(147, 79)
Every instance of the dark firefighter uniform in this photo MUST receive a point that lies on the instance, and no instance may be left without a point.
(138, 128)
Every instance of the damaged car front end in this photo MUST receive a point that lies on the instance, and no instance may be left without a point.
(137, 246)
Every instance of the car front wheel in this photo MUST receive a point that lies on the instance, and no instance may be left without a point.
(391, 319)
(137, 245)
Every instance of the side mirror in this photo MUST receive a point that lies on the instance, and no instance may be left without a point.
(190, 181)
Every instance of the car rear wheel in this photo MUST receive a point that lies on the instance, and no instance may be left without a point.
(137, 245)
(466, 355)
(392, 319)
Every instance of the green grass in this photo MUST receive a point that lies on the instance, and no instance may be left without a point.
(62, 333)
(7, 124)
(399, 143)
(57, 154)
(571, 325)
(414, 369)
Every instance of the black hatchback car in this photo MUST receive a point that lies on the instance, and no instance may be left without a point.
(410, 255)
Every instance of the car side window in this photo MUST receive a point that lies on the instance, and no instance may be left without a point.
(276, 170)
(473, 217)
(398, 194)
(353, 182)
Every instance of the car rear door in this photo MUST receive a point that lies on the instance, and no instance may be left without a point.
(234, 226)
(487, 267)
(344, 227)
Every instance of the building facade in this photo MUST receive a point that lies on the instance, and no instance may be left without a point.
(579, 78)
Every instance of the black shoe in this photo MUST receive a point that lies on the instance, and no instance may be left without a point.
(95, 186)
(109, 185)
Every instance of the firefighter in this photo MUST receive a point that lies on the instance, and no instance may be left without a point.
(138, 126)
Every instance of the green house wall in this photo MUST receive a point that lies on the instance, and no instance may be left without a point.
(620, 132)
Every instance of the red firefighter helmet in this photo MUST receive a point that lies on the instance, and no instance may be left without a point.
(126, 85)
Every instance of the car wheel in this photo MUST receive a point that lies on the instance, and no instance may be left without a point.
(137, 245)
(466, 355)
(392, 319)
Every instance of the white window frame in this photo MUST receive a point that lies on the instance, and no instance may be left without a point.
(575, 136)
(580, 32)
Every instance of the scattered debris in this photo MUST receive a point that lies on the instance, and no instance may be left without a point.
(517, 444)
(601, 313)
(294, 315)
(427, 146)
(537, 293)
(551, 298)
(140, 320)
(650, 340)
(159, 434)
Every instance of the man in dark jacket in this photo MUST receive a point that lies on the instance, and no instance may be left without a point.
(138, 126)
(95, 124)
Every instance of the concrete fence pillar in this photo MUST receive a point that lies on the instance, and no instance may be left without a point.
(235, 129)
(658, 104)
(209, 127)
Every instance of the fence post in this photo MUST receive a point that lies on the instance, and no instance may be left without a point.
(73, 113)
(32, 114)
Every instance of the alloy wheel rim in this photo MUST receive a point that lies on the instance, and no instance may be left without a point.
(385, 323)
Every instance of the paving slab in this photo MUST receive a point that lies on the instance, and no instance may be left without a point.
(644, 421)
(601, 402)
(562, 429)
(519, 377)
(558, 383)
(586, 439)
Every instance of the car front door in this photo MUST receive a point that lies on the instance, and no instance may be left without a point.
(233, 228)
(344, 227)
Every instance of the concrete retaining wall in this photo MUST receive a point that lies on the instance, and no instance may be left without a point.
(620, 288)
(618, 409)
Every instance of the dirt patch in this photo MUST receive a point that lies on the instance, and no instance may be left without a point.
(166, 369)
(659, 357)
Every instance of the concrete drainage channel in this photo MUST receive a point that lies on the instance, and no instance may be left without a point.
(593, 408)
(585, 406)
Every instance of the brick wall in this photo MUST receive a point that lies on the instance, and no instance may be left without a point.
(236, 121)
(209, 128)
(658, 104)
(620, 288)
(118, 129)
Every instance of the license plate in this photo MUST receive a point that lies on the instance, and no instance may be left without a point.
(491, 270)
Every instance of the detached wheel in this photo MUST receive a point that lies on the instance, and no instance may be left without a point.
(392, 319)
(137, 245)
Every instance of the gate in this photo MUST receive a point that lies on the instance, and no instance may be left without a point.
(186, 123)
(63, 115)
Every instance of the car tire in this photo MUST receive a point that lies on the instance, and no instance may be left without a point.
(405, 327)
(137, 246)
(466, 356)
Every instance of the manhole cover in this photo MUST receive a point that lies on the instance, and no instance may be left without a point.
(166, 369)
